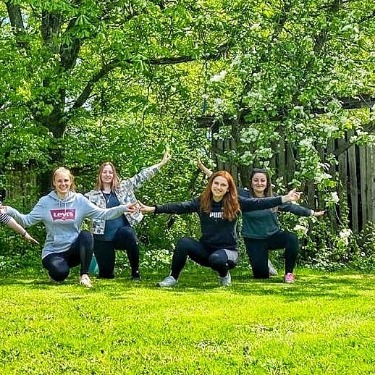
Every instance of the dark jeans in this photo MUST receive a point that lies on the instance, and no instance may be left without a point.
(257, 250)
(125, 239)
(58, 265)
(220, 261)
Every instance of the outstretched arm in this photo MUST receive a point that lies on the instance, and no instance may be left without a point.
(254, 204)
(146, 209)
(204, 169)
(178, 208)
(317, 213)
(21, 230)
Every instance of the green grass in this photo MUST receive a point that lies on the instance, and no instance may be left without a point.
(323, 324)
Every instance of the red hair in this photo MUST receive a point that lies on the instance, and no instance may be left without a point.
(231, 205)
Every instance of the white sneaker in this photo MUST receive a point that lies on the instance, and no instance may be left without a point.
(167, 282)
(226, 280)
(271, 269)
(85, 281)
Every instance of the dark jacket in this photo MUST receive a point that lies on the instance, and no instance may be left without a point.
(263, 224)
(217, 233)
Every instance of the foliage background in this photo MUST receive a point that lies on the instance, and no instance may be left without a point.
(84, 81)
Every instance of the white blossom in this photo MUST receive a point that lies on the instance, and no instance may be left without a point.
(300, 228)
(345, 233)
(219, 77)
(334, 197)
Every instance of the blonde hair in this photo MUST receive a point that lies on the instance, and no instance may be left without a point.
(116, 180)
(65, 171)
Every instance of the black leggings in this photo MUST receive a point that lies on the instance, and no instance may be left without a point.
(220, 261)
(58, 265)
(125, 239)
(257, 250)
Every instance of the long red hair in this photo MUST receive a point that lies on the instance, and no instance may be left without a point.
(231, 205)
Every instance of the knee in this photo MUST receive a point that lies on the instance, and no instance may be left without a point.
(215, 260)
(59, 273)
(60, 276)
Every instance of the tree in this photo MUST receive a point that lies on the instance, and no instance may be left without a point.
(59, 56)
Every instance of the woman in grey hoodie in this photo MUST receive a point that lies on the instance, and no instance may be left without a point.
(62, 212)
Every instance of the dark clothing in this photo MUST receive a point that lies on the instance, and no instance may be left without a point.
(264, 223)
(118, 234)
(217, 233)
(125, 239)
(4, 218)
(257, 250)
(58, 265)
(220, 261)
(261, 233)
(217, 247)
(111, 226)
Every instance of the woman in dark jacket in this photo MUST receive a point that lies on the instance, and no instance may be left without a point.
(218, 208)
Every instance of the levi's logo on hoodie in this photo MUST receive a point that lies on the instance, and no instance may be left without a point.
(63, 214)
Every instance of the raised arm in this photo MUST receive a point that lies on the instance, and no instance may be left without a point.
(166, 157)
(204, 169)
(145, 174)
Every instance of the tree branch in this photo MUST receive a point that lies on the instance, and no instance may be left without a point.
(116, 63)
(15, 17)
(360, 101)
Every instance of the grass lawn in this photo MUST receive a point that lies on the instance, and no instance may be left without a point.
(323, 324)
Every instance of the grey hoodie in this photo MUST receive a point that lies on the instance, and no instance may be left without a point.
(63, 218)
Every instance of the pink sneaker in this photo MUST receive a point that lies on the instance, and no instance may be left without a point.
(289, 278)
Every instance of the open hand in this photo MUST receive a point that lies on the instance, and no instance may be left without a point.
(30, 239)
(146, 209)
(167, 156)
(292, 196)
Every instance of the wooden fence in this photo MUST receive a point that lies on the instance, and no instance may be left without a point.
(354, 174)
